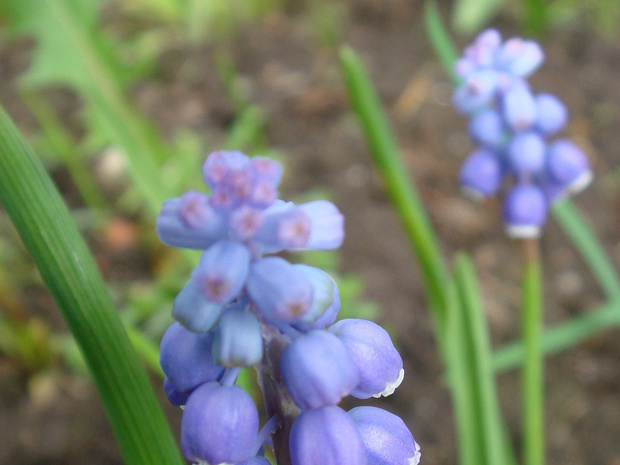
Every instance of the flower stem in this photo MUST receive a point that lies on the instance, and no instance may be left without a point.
(276, 397)
(532, 373)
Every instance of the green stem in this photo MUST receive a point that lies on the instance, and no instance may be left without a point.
(533, 375)
(562, 336)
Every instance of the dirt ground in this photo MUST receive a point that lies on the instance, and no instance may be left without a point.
(59, 420)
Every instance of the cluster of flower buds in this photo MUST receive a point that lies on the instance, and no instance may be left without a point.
(511, 126)
(245, 307)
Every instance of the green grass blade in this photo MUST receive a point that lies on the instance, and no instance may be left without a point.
(399, 187)
(439, 38)
(459, 371)
(44, 223)
(469, 16)
(563, 336)
(494, 447)
(589, 246)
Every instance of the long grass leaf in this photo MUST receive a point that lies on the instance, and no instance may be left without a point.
(494, 445)
(45, 225)
(469, 16)
(589, 246)
(439, 37)
(399, 187)
(562, 336)
(460, 378)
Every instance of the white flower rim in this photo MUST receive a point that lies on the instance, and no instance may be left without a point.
(391, 387)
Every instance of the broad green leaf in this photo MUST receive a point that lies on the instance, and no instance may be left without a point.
(69, 271)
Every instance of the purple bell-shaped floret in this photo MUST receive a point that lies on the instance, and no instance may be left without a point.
(285, 226)
(222, 271)
(326, 299)
(568, 166)
(526, 154)
(327, 225)
(477, 91)
(219, 165)
(279, 291)
(193, 310)
(379, 365)
(326, 436)
(481, 174)
(488, 129)
(386, 438)
(219, 425)
(318, 370)
(525, 211)
(190, 222)
(519, 108)
(519, 57)
(185, 358)
(237, 339)
(175, 397)
(552, 114)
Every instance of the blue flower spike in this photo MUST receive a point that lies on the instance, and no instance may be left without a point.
(513, 127)
(244, 307)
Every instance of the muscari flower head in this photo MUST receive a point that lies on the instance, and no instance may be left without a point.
(512, 126)
(235, 299)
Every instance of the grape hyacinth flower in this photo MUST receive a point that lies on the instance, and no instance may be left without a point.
(244, 306)
(512, 126)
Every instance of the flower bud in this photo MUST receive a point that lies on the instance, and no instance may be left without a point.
(552, 114)
(193, 310)
(519, 108)
(219, 165)
(325, 302)
(487, 128)
(386, 438)
(190, 222)
(326, 436)
(237, 339)
(526, 153)
(219, 424)
(525, 211)
(279, 291)
(477, 91)
(318, 370)
(519, 57)
(175, 397)
(185, 358)
(222, 271)
(378, 363)
(481, 174)
(568, 166)
(327, 225)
